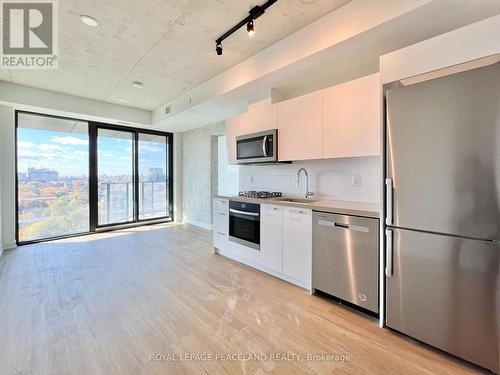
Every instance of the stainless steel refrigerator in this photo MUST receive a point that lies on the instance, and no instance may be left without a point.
(443, 213)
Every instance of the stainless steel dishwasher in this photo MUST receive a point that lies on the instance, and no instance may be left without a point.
(345, 258)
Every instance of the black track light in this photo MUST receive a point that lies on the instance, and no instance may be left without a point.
(250, 28)
(218, 49)
(253, 14)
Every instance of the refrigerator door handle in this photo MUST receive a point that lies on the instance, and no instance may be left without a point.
(388, 198)
(388, 252)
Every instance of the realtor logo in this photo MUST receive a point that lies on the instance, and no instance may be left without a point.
(29, 34)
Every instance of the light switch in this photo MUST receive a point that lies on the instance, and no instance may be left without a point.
(356, 180)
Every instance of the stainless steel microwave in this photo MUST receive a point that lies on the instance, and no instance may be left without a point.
(257, 147)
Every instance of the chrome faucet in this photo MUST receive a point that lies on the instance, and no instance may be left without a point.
(308, 193)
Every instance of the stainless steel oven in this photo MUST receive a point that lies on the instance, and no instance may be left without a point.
(244, 223)
(257, 147)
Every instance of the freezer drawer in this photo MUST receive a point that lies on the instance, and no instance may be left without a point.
(445, 291)
(345, 258)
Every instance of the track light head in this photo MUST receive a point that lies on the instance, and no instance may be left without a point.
(254, 13)
(218, 49)
(250, 28)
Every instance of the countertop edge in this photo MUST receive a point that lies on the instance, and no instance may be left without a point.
(320, 205)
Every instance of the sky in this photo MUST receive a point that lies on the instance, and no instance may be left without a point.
(67, 153)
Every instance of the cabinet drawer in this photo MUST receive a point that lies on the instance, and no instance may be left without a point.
(270, 209)
(221, 205)
(221, 222)
(244, 252)
(298, 212)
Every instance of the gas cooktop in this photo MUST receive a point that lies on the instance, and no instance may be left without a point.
(260, 194)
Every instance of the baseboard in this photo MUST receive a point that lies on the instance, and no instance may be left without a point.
(199, 224)
(8, 245)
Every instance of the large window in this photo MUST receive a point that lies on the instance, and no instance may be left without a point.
(75, 177)
(53, 178)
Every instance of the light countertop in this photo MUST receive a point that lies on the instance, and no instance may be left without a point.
(339, 207)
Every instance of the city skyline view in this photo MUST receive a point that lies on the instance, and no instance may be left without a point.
(67, 153)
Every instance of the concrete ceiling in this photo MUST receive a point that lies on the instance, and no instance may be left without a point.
(348, 52)
(166, 44)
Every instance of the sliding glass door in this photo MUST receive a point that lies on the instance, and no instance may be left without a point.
(115, 176)
(133, 175)
(153, 176)
(76, 177)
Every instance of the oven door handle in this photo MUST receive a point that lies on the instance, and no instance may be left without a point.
(243, 212)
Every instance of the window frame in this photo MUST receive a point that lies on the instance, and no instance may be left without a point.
(94, 226)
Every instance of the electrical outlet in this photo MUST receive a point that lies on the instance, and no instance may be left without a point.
(251, 180)
(356, 180)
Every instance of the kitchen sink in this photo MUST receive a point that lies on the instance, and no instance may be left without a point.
(296, 200)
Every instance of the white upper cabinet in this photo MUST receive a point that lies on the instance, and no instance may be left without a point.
(260, 116)
(300, 128)
(351, 118)
(338, 122)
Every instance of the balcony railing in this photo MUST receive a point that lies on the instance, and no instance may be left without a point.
(116, 201)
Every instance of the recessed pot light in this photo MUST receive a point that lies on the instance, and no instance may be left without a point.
(88, 20)
(137, 84)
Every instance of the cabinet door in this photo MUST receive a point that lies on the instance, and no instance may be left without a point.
(271, 240)
(232, 133)
(300, 128)
(351, 122)
(221, 222)
(297, 243)
(259, 117)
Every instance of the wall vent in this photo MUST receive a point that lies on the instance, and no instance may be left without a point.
(168, 109)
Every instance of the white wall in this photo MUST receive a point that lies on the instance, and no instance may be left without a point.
(7, 178)
(328, 179)
(197, 173)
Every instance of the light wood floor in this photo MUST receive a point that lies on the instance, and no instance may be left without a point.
(103, 304)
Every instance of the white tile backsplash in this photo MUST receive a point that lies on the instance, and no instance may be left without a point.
(328, 179)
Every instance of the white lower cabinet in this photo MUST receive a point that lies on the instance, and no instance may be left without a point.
(271, 237)
(297, 244)
(285, 241)
(221, 223)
